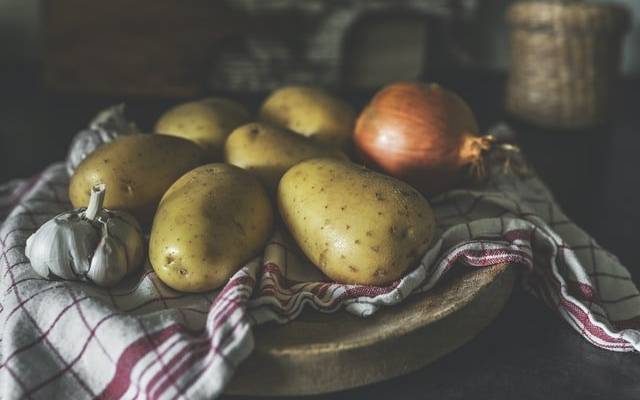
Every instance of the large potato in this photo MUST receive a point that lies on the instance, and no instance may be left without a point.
(268, 151)
(207, 122)
(137, 170)
(356, 225)
(209, 224)
(311, 112)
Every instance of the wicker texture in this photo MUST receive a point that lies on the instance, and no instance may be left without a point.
(565, 57)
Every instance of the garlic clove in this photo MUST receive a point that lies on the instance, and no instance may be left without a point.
(109, 262)
(82, 239)
(41, 256)
(127, 230)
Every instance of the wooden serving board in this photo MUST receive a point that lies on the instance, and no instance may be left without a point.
(320, 353)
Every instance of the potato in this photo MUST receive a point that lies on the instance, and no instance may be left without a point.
(137, 170)
(207, 122)
(311, 112)
(356, 225)
(268, 151)
(209, 224)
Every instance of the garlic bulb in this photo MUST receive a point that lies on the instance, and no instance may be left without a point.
(92, 244)
(108, 125)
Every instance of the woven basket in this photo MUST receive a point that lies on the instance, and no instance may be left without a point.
(564, 59)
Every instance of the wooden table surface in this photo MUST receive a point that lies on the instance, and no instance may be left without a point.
(528, 352)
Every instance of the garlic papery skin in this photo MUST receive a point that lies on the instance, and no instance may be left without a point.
(62, 247)
(93, 244)
(107, 126)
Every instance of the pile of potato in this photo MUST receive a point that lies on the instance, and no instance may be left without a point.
(208, 181)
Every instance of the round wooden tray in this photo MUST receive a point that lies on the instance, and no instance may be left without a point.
(320, 353)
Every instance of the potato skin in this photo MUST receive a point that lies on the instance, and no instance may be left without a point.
(206, 122)
(210, 222)
(268, 151)
(312, 112)
(137, 170)
(356, 225)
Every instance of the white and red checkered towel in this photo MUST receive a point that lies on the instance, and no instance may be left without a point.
(143, 340)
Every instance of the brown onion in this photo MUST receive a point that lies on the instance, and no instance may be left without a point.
(421, 133)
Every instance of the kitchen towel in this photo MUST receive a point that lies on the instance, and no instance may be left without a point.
(143, 340)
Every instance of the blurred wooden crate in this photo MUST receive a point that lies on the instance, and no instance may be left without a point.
(142, 48)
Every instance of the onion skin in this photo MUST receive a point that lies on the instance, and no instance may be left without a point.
(420, 133)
